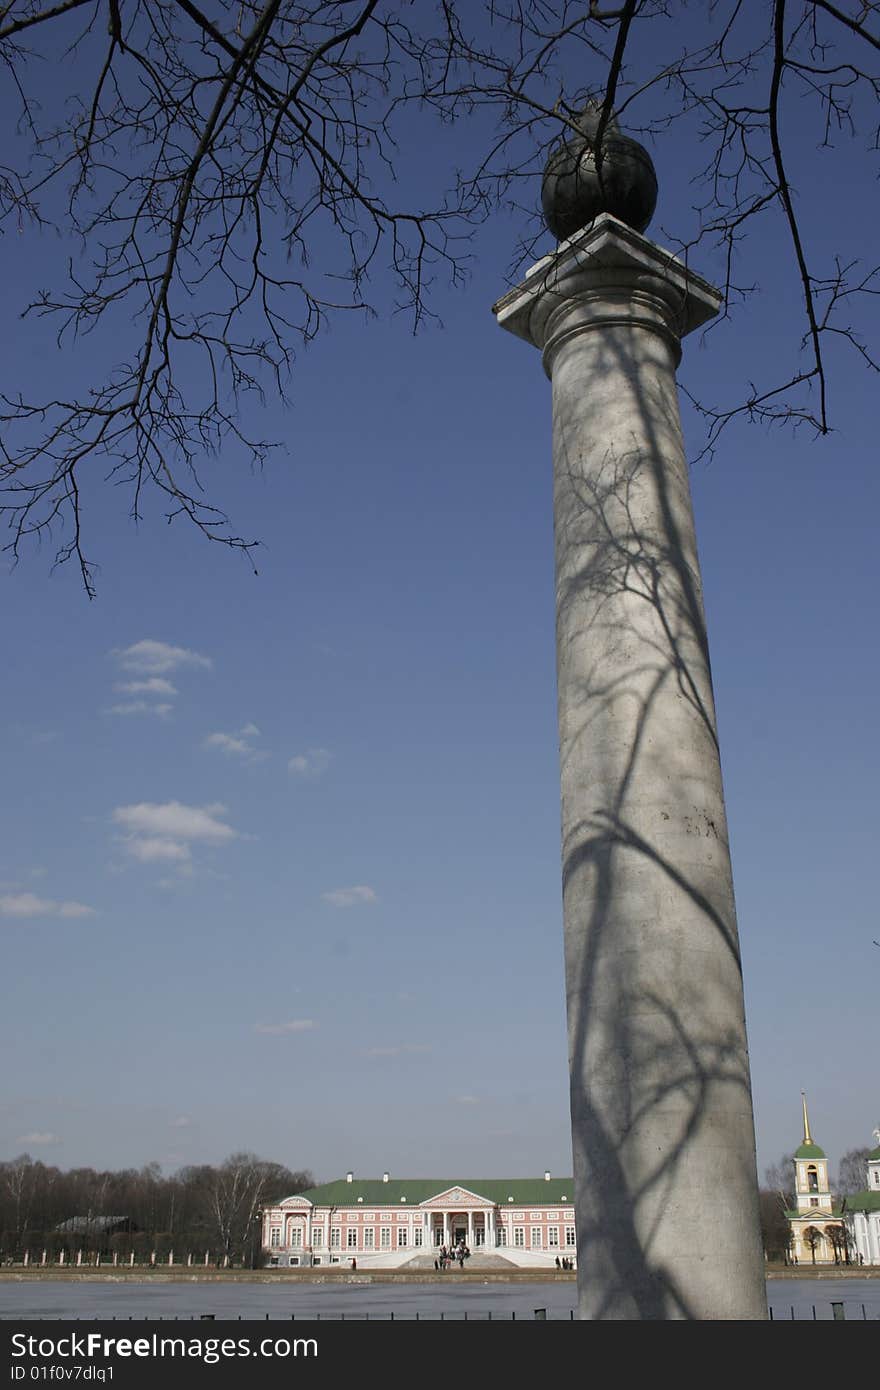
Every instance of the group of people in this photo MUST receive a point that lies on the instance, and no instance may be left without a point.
(448, 1254)
(564, 1263)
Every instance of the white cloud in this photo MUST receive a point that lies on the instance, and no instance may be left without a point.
(162, 832)
(236, 745)
(350, 897)
(467, 1100)
(156, 685)
(72, 909)
(39, 1136)
(228, 743)
(27, 905)
(151, 849)
(141, 707)
(181, 1122)
(175, 820)
(151, 658)
(309, 764)
(295, 1025)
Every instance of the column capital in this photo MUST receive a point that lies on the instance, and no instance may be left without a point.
(617, 270)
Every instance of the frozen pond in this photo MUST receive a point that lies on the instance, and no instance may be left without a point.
(36, 1299)
(860, 1298)
(45, 1299)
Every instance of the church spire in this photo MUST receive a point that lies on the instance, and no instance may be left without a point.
(808, 1138)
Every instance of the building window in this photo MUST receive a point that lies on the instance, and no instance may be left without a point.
(335, 1237)
(275, 1237)
(814, 1201)
(351, 1238)
(296, 1237)
(569, 1237)
(553, 1236)
(812, 1178)
(369, 1239)
(501, 1235)
(318, 1236)
(386, 1238)
(519, 1236)
(536, 1237)
(417, 1235)
(401, 1237)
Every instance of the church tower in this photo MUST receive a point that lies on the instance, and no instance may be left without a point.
(812, 1192)
(816, 1231)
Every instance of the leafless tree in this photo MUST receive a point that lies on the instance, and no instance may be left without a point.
(779, 1178)
(813, 1241)
(852, 1175)
(228, 176)
(775, 1227)
(232, 1194)
(19, 1180)
(839, 1241)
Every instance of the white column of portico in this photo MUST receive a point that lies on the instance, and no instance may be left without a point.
(490, 1228)
(470, 1234)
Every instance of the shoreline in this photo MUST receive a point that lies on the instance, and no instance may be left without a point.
(288, 1277)
(329, 1275)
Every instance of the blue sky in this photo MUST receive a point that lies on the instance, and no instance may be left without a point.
(279, 865)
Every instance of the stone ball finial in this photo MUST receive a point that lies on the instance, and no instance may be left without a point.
(574, 191)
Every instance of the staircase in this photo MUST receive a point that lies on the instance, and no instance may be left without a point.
(478, 1259)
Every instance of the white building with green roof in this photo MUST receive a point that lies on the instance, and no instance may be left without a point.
(861, 1212)
(395, 1222)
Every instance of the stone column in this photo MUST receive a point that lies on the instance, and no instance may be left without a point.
(663, 1135)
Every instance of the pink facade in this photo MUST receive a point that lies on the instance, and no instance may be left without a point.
(340, 1222)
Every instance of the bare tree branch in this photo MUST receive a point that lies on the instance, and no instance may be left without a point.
(229, 177)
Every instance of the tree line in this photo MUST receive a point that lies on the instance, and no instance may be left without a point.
(202, 1207)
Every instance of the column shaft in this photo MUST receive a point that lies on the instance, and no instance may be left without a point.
(663, 1135)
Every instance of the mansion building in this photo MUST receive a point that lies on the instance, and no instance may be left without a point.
(390, 1222)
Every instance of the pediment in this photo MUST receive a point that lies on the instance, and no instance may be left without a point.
(295, 1203)
(458, 1197)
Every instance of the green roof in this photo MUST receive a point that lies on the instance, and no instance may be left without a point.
(862, 1201)
(376, 1193)
(809, 1151)
(874, 1155)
